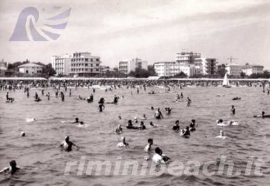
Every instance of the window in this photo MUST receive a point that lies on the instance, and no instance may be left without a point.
(97, 65)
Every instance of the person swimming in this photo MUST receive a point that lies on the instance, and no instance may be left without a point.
(119, 130)
(185, 133)
(168, 110)
(123, 142)
(221, 135)
(22, 134)
(193, 125)
(67, 145)
(158, 114)
(130, 125)
(159, 157)
(12, 169)
(262, 115)
(152, 124)
(90, 99)
(76, 120)
(232, 110)
(176, 126)
(142, 126)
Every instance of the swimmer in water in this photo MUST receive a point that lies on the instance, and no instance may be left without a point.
(48, 95)
(152, 124)
(176, 126)
(144, 117)
(119, 130)
(76, 120)
(142, 126)
(158, 114)
(168, 110)
(119, 117)
(186, 133)
(159, 157)
(12, 169)
(188, 101)
(193, 125)
(123, 142)
(152, 108)
(147, 148)
(22, 134)
(221, 135)
(232, 110)
(101, 107)
(67, 145)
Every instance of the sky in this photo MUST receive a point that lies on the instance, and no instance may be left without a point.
(153, 30)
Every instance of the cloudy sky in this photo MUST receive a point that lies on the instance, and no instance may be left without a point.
(154, 30)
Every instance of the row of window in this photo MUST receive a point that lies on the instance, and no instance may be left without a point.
(85, 59)
(84, 70)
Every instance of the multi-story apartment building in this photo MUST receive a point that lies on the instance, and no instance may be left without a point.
(234, 69)
(187, 58)
(173, 68)
(208, 65)
(252, 69)
(126, 66)
(83, 64)
(61, 64)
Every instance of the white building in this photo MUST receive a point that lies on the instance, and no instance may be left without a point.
(208, 65)
(170, 69)
(234, 69)
(126, 66)
(30, 68)
(83, 64)
(187, 58)
(61, 64)
(252, 69)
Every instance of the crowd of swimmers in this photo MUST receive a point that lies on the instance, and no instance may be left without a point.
(158, 156)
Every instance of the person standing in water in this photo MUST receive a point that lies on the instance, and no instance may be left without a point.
(67, 145)
(70, 92)
(48, 95)
(101, 107)
(158, 114)
(188, 101)
(62, 96)
(232, 110)
(12, 169)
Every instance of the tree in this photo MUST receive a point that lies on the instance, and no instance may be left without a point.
(243, 75)
(48, 71)
(151, 70)
(181, 75)
(221, 70)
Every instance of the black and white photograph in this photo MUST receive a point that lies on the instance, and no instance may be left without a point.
(134, 92)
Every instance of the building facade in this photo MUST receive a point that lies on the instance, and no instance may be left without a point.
(83, 64)
(187, 58)
(252, 69)
(208, 65)
(126, 66)
(170, 69)
(30, 68)
(234, 69)
(61, 64)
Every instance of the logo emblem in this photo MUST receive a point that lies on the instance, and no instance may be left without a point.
(33, 25)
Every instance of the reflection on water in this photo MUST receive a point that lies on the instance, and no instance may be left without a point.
(43, 163)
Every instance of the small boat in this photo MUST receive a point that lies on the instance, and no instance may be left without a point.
(226, 82)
